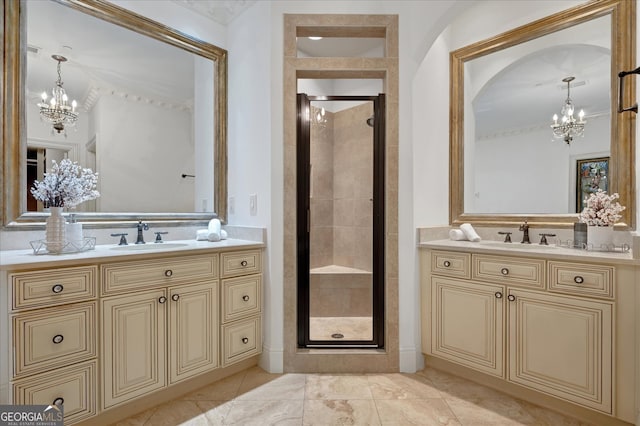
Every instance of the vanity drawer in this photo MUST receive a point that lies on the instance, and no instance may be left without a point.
(241, 297)
(241, 340)
(54, 337)
(74, 386)
(53, 287)
(451, 264)
(581, 279)
(241, 263)
(508, 270)
(120, 277)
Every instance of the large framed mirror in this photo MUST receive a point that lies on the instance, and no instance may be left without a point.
(152, 114)
(506, 165)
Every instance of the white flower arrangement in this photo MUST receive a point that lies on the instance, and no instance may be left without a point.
(66, 185)
(601, 209)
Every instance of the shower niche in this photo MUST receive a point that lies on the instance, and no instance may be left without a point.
(340, 221)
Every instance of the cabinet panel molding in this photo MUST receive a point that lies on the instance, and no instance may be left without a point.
(193, 330)
(136, 275)
(514, 271)
(468, 324)
(241, 297)
(241, 263)
(581, 280)
(241, 339)
(562, 347)
(53, 287)
(54, 337)
(75, 384)
(451, 264)
(133, 346)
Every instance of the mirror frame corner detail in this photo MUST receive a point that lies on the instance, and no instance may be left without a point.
(13, 142)
(622, 168)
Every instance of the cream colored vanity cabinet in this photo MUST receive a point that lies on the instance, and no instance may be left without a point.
(241, 305)
(159, 324)
(53, 320)
(545, 325)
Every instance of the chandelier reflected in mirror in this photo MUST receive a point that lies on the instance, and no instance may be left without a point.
(55, 108)
(568, 127)
(318, 116)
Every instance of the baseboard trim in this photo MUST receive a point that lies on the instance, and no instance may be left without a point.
(272, 360)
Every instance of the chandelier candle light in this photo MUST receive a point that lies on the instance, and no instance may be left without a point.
(57, 110)
(568, 127)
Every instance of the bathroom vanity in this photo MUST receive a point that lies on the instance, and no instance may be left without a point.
(112, 331)
(551, 325)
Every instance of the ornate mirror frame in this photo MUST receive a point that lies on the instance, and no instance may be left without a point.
(622, 165)
(13, 160)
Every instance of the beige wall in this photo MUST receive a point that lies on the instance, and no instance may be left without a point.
(385, 68)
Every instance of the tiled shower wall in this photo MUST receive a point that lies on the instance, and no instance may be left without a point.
(342, 190)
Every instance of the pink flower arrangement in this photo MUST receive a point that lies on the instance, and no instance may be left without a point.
(601, 209)
(66, 185)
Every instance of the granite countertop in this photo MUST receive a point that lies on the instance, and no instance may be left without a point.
(532, 250)
(16, 259)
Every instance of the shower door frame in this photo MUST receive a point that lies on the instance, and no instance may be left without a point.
(303, 222)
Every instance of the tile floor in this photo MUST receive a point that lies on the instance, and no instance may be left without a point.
(430, 397)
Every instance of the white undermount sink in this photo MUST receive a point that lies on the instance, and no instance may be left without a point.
(149, 246)
(516, 245)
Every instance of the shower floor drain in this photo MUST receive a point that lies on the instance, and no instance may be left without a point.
(337, 335)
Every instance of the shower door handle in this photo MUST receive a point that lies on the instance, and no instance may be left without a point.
(308, 221)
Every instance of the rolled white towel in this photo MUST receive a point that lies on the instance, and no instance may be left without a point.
(457, 235)
(223, 234)
(469, 232)
(214, 230)
(202, 235)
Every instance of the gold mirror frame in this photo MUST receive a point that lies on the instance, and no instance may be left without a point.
(622, 164)
(13, 161)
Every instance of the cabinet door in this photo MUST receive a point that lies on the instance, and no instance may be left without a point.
(193, 330)
(133, 345)
(468, 324)
(561, 346)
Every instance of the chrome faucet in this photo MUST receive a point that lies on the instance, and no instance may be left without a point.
(141, 227)
(525, 233)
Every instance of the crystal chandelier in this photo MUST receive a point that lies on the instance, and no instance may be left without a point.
(318, 117)
(568, 127)
(57, 110)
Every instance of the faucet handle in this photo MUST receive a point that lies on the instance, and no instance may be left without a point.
(543, 239)
(158, 236)
(507, 238)
(123, 240)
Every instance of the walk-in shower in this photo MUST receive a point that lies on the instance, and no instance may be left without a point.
(340, 221)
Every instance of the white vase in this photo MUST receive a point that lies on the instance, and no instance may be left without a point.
(600, 237)
(56, 230)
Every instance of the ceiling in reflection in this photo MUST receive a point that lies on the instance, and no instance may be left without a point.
(106, 57)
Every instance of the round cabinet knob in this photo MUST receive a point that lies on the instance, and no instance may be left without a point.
(168, 273)
(58, 401)
(58, 338)
(175, 297)
(498, 295)
(162, 299)
(511, 297)
(446, 263)
(578, 279)
(57, 288)
(504, 271)
(245, 340)
(245, 298)
(243, 263)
